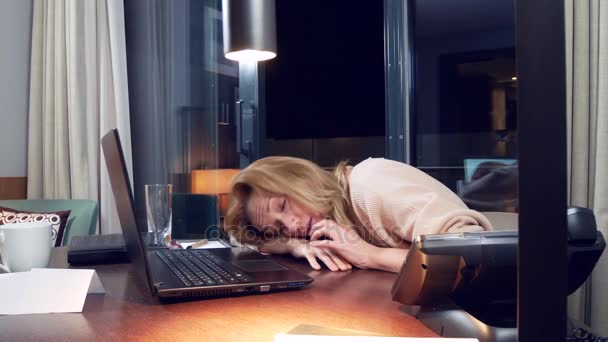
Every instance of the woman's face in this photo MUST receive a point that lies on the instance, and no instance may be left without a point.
(276, 215)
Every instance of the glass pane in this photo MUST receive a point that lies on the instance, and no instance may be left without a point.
(465, 99)
(188, 91)
(464, 119)
(324, 96)
(208, 156)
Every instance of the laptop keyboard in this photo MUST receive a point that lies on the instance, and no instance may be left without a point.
(201, 268)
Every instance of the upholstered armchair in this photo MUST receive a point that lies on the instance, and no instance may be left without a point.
(81, 221)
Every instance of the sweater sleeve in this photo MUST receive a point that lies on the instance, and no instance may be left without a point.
(397, 202)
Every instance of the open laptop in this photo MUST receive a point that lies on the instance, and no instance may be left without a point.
(191, 272)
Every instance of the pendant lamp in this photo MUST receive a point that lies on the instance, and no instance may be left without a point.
(249, 30)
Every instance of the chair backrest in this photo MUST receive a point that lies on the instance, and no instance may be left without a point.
(83, 215)
(502, 220)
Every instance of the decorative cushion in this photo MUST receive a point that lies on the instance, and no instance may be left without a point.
(58, 220)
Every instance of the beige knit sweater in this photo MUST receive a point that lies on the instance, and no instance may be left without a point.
(397, 202)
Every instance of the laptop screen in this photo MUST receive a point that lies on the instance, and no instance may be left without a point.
(123, 196)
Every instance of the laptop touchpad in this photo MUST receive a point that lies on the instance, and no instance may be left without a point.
(259, 266)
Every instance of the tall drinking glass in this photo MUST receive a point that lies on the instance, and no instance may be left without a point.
(158, 212)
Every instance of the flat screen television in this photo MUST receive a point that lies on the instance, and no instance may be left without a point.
(328, 77)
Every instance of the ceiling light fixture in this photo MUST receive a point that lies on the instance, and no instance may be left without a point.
(249, 30)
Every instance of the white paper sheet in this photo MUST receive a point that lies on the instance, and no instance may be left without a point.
(46, 290)
(318, 338)
(209, 244)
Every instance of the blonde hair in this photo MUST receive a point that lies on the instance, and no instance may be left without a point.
(303, 181)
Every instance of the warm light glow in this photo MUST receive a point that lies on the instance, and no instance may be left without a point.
(250, 55)
(212, 182)
(514, 78)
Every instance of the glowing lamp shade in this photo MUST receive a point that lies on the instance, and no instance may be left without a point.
(249, 30)
(250, 55)
(212, 182)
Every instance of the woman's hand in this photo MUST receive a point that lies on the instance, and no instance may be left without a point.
(304, 249)
(344, 242)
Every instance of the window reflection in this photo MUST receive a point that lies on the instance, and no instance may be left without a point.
(465, 101)
(183, 95)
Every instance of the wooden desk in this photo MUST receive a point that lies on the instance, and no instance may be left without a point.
(357, 300)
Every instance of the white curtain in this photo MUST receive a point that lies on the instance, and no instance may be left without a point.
(78, 91)
(587, 81)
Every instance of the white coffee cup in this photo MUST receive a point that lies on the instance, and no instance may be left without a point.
(24, 246)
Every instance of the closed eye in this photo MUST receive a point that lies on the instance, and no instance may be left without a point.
(283, 230)
(283, 205)
(269, 231)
